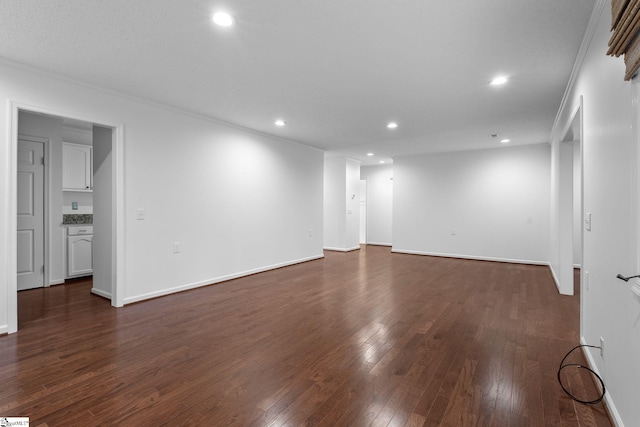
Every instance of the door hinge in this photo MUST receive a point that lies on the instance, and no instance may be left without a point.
(43, 163)
(42, 269)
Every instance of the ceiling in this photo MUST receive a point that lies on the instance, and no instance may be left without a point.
(336, 71)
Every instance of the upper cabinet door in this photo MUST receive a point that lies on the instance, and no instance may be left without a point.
(76, 167)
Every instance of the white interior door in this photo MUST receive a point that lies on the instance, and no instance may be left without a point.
(30, 196)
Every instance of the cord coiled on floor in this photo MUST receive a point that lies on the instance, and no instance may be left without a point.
(577, 365)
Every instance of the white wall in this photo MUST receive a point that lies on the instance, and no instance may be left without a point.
(577, 204)
(341, 204)
(496, 200)
(353, 204)
(379, 203)
(610, 168)
(237, 201)
(103, 256)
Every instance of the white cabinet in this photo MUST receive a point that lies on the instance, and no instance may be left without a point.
(79, 251)
(77, 162)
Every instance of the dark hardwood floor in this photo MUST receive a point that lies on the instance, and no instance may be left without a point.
(360, 338)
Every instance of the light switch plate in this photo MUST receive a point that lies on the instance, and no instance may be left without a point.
(587, 221)
(140, 214)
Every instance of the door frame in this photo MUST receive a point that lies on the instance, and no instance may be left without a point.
(117, 207)
(46, 200)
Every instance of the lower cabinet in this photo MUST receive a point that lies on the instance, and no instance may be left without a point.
(79, 251)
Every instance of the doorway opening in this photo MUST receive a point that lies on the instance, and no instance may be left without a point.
(571, 206)
(42, 248)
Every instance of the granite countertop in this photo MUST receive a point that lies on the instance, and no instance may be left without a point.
(81, 219)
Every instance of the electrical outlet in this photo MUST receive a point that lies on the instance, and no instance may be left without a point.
(453, 232)
(310, 233)
(602, 347)
(175, 247)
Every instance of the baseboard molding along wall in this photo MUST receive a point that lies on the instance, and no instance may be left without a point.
(4, 329)
(129, 300)
(378, 244)
(100, 293)
(472, 257)
(353, 248)
(611, 407)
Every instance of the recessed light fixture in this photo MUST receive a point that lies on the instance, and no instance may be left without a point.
(280, 123)
(505, 141)
(369, 154)
(381, 162)
(392, 125)
(223, 19)
(500, 80)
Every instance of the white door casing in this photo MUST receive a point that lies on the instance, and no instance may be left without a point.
(30, 215)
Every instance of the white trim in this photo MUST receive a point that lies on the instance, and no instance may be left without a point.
(596, 13)
(471, 257)
(611, 407)
(118, 219)
(578, 266)
(101, 293)
(212, 281)
(4, 329)
(379, 244)
(145, 101)
(353, 248)
(555, 277)
(57, 282)
(12, 220)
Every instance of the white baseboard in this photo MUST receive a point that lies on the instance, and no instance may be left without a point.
(100, 293)
(611, 407)
(353, 248)
(379, 244)
(555, 277)
(578, 266)
(4, 329)
(215, 280)
(56, 282)
(473, 257)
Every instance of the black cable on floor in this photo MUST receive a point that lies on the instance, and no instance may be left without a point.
(577, 365)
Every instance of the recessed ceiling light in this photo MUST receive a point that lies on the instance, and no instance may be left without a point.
(223, 19)
(392, 125)
(381, 162)
(369, 154)
(506, 140)
(499, 81)
(280, 122)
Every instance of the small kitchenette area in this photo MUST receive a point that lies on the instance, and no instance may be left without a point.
(77, 198)
(65, 175)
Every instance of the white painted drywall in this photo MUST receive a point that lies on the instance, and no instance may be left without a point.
(237, 201)
(341, 204)
(103, 256)
(496, 200)
(379, 203)
(353, 204)
(577, 204)
(51, 128)
(363, 212)
(610, 168)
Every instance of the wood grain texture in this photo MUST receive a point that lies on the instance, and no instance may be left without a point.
(359, 338)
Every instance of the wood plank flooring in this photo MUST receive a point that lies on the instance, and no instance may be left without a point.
(360, 338)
